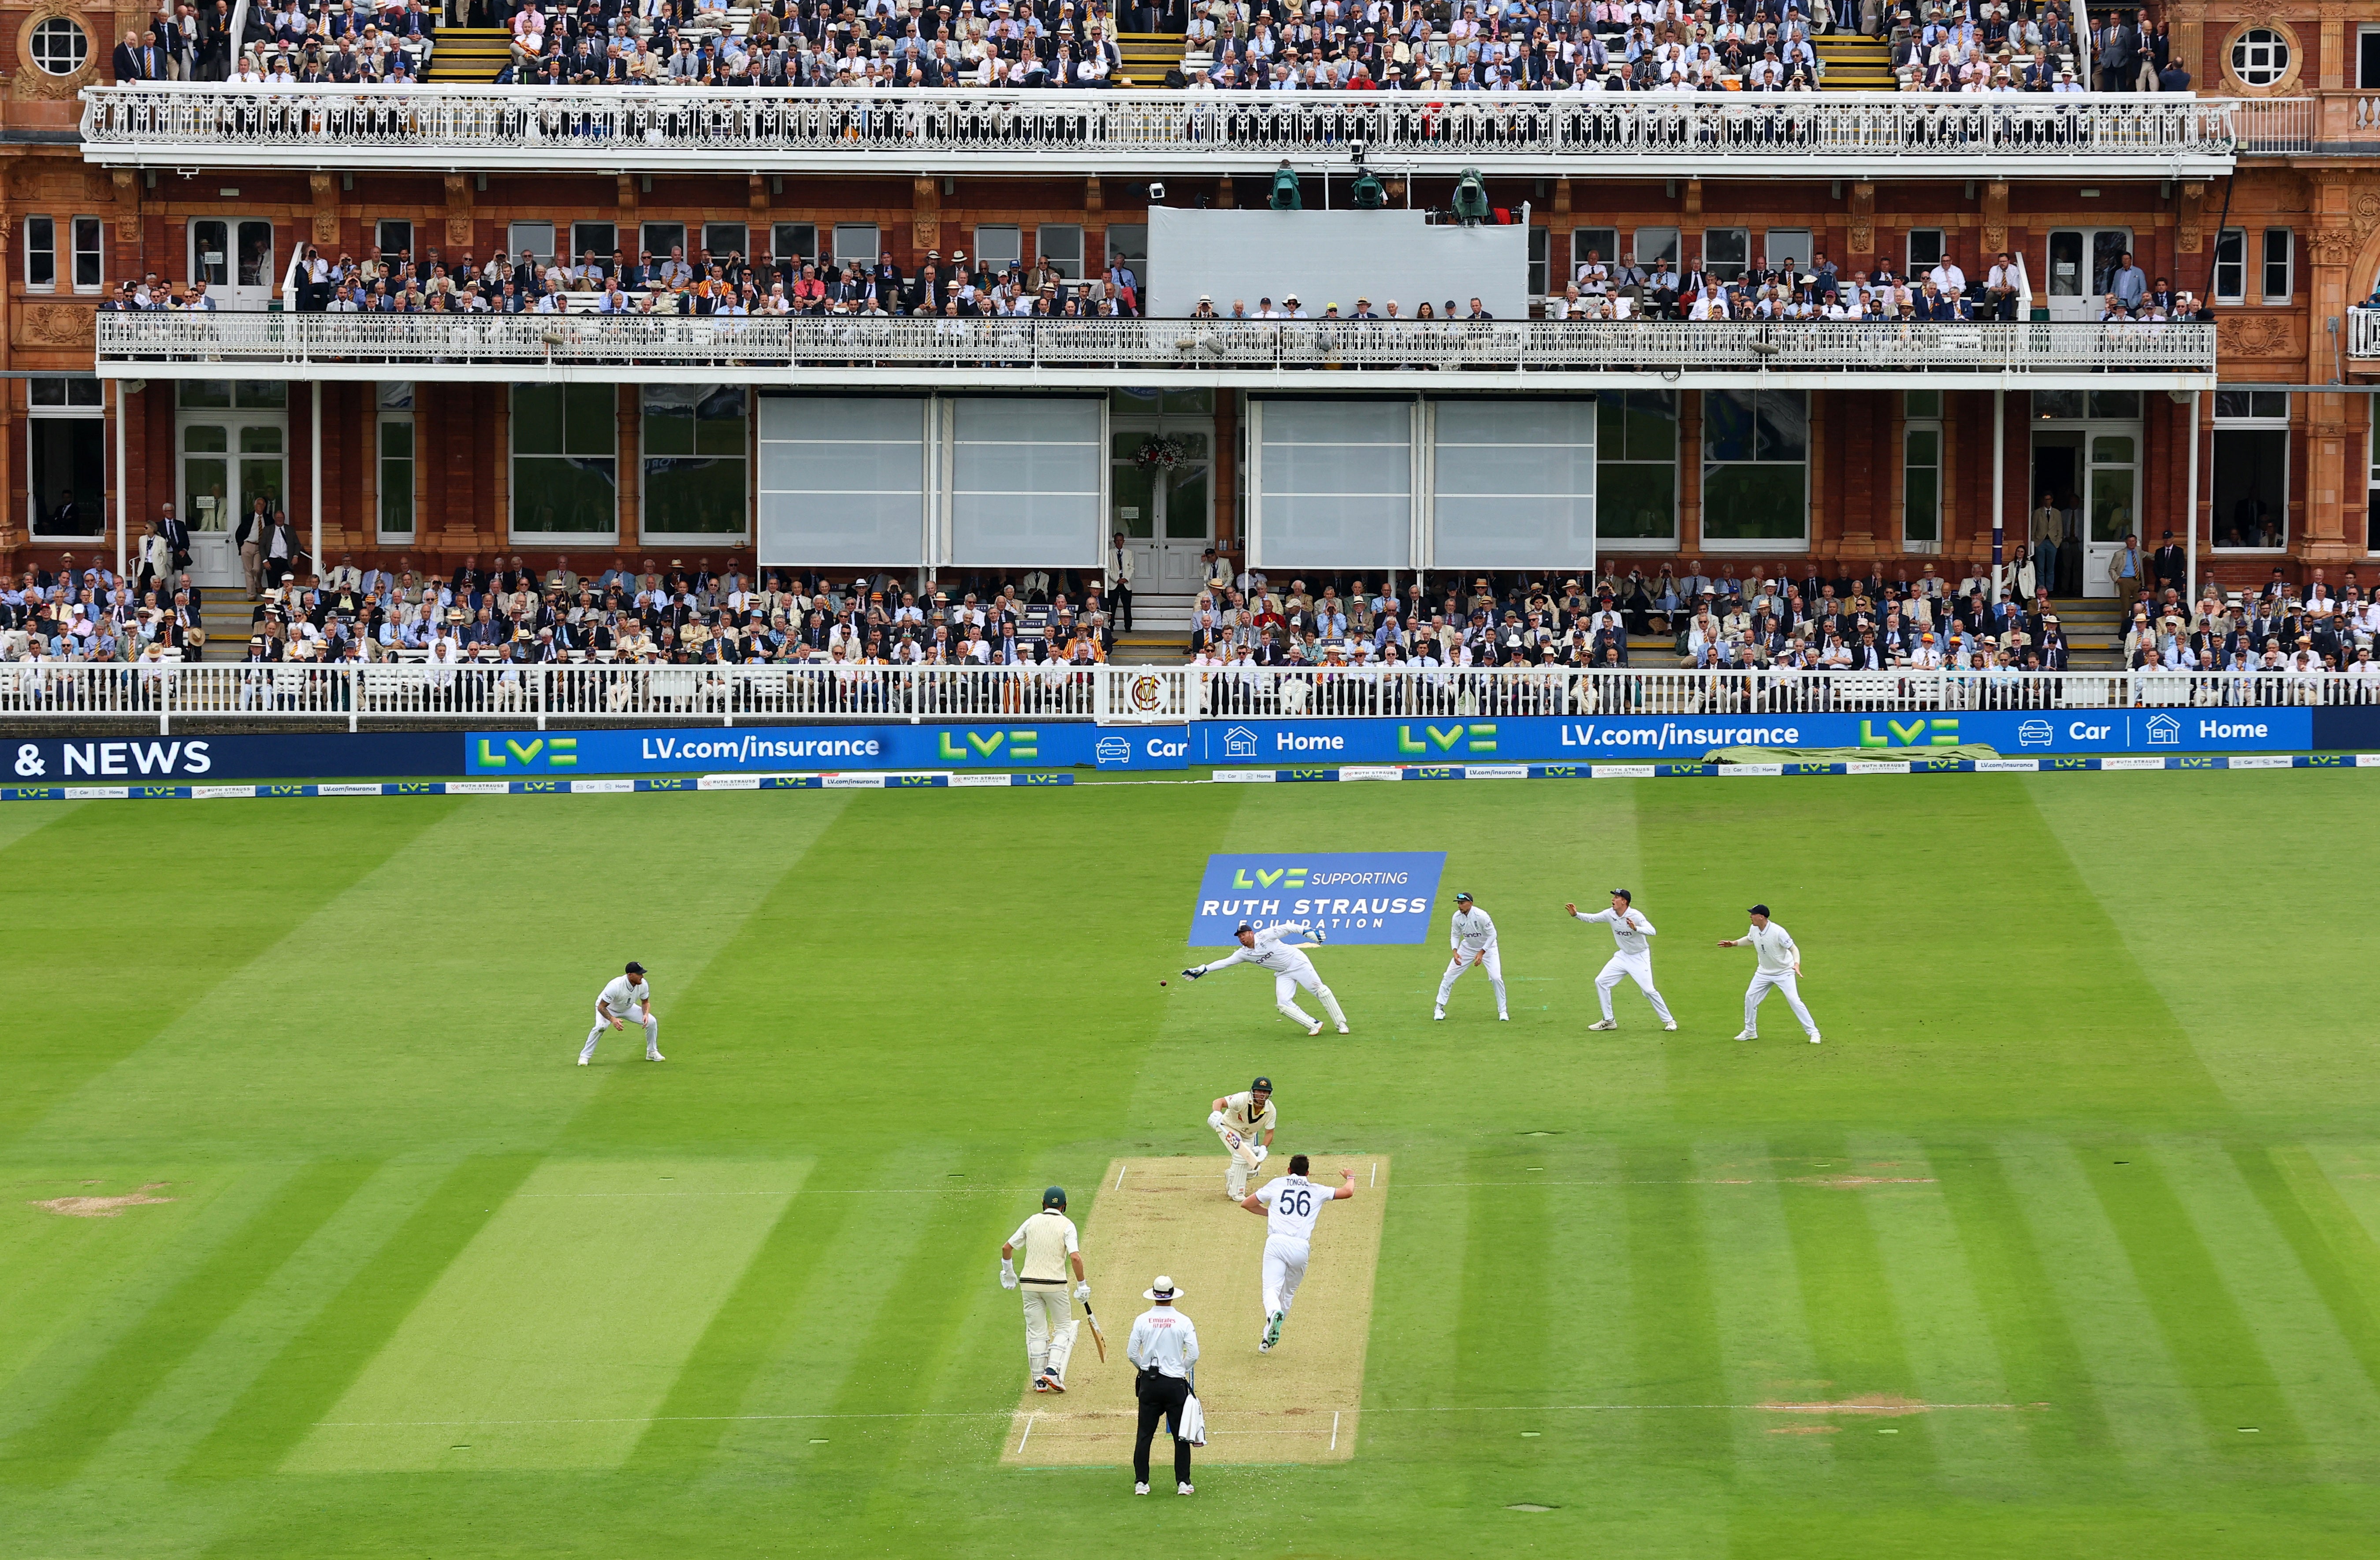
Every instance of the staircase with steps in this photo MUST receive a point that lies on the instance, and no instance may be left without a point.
(1147, 56)
(1856, 63)
(469, 54)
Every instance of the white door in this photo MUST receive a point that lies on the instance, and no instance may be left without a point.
(228, 461)
(2081, 262)
(1166, 513)
(236, 259)
(2110, 503)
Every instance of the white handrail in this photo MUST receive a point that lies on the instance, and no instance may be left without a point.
(746, 347)
(66, 693)
(218, 125)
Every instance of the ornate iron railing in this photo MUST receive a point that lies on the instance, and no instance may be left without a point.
(469, 127)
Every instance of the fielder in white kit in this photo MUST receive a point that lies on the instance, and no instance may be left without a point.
(1245, 1123)
(1780, 966)
(1473, 938)
(627, 998)
(1290, 1207)
(1289, 966)
(1632, 960)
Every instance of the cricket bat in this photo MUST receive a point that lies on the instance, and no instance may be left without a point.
(1097, 1337)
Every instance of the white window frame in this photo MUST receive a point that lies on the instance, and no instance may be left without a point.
(48, 246)
(847, 252)
(513, 240)
(749, 455)
(2275, 48)
(94, 412)
(1009, 236)
(1740, 266)
(602, 253)
(380, 236)
(1605, 241)
(2287, 263)
(1636, 246)
(2255, 421)
(1782, 546)
(2362, 32)
(1914, 422)
(1541, 247)
(660, 253)
(1770, 258)
(1941, 250)
(32, 53)
(776, 229)
(392, 402)
(743, 248)
(1657, 545)
(2237, 265)
(515, 536)
(97, 249)
(1054, 255)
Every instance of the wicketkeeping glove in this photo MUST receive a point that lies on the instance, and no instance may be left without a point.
(1007, 1273)
(1193, 974)
(1083, 1290)
(1319, 935)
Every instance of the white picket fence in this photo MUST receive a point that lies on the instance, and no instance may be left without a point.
(63, 693)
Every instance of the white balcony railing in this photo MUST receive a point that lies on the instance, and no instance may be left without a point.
(888, 349)
(61, 692)
(2363, 333)
(2272, 126)
(1820, 134)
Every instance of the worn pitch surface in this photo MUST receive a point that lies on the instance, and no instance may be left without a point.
(1300, 1402)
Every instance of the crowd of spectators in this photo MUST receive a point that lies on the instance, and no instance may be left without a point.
(511, 613)
(1977, 46)
(2275, 630)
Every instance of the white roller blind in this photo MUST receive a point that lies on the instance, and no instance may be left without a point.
(1025, 483)
(1514, 484)
(1334, 485)
(842, 481)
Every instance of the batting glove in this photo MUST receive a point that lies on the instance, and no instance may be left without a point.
(1007, 1273)
(1083, 1290)
(1193, 974)
(1214, 1119)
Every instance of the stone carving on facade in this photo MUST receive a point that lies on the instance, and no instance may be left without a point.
(126, 195)
(30, 82)
(2254, 335)
(56, 324)
(1995, 195)
(2332, 245)
(1863, 237)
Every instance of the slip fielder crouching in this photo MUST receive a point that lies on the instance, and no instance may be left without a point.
(627, 996)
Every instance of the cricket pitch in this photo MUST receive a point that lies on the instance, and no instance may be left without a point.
(1300, 1403)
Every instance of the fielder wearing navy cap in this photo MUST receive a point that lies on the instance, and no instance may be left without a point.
(1757, 910)
(1622, 894)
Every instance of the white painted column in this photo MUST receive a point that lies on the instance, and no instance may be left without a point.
(316, 474)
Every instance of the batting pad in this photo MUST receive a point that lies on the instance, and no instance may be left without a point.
(1300, 1403)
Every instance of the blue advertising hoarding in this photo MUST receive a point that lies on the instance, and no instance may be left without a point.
(1022, 743)
(1368, 897)
(1587, 739)
(88, 760)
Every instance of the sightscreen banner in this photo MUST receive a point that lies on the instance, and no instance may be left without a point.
(1366, 897)
(1544, 739)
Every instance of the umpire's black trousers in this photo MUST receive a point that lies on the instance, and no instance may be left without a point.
(1161, 1397)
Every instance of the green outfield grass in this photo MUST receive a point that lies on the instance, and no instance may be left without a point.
(2067, 1243)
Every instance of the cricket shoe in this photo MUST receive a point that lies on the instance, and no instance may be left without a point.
(582, 1061)
(1272, 1328)
(1605, 1023)
(1747, 1035)
(1814, 1039)
(1184, 1490)
(1503, 1018)
(1041, 1384)
(1315, 1029)
(1669, 1023)
(655, 1056)
(1192, 974)
(1140, 1489)
(1054, 1384)
(1437, 1013)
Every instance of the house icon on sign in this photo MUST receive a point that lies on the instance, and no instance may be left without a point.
(2163, 731)
(1239, 743)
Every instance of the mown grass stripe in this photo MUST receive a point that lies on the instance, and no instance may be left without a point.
(1847, 1299)
(2222, 1365)
(120, 1381)
(2339, 1256)
(2039, 1356)
(315, 1369)
(1674, 1318)
(745, 1332)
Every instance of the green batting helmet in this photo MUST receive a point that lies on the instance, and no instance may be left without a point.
(1055, 1198)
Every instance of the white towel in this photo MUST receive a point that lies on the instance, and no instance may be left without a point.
(1194, 1422)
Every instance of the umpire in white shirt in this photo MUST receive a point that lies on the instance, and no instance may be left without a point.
(1164, 1350)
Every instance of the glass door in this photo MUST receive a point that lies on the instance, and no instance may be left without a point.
(2113, 477)
(227, 463)
(2082, 264)
(235, 259)
(1161, 487)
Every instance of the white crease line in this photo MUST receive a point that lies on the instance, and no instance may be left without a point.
(1334, 1430)
(1029, 1430)
(778, 1193)
(1120, 1170)
(1852, 1409)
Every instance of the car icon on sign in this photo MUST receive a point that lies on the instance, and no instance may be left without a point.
(2032, 733)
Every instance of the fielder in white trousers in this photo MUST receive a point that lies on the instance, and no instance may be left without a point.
(1784, 981)
(653, 1035)
(1780, 969)
(1284, 1269)
(1637, 967)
